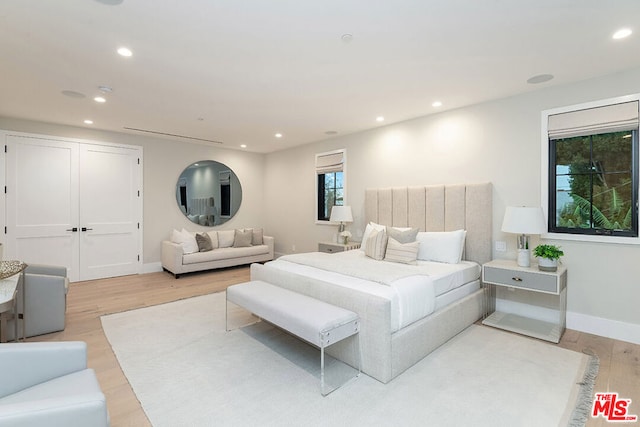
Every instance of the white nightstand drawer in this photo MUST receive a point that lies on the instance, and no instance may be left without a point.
(337, 247)
(522, 279)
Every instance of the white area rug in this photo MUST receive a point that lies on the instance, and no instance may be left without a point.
(187, 371)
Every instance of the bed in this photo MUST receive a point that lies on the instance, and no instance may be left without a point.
(394, 335)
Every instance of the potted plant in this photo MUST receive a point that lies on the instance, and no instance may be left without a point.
(548, 256)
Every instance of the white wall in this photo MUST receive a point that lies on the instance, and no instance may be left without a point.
(164, 161)
(497, 141)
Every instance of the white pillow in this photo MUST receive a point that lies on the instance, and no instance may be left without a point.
(367, 231)
(405, 253)
(226, 238)
(376, 244)
(441, 246)
(186, 239)
(213, 235)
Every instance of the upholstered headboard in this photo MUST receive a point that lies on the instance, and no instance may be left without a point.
(438, 208)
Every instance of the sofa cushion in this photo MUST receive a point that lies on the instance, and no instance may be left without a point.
(204, 242)
(213, 235)
(186, 239)
(224, 253)
(257, 238)
(242, 238)
(226, 238)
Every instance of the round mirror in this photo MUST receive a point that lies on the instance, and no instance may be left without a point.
(208, 193)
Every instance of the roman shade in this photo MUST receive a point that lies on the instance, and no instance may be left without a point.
(591, 121)
(329, 162)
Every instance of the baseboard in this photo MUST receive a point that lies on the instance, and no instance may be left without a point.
(151, 267)
(615, 329)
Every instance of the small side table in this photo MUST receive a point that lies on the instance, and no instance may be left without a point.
(330, 247)
(507, 274)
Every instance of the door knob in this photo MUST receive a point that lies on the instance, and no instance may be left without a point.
(86, 229)
(74, 229)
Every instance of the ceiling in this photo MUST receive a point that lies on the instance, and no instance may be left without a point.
(232, 72)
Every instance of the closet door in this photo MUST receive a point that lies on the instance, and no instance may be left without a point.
(42, 202)
(110, 211)
(74, 204)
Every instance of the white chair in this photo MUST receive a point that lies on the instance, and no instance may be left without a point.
(48, 384)
(42, 300)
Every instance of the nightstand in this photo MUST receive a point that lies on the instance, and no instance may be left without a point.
(547, 290)
(330, 247)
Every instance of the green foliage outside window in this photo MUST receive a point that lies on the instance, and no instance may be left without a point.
(594, 183)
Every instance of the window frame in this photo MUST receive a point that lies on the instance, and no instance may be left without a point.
(546, 173)
(343, 151)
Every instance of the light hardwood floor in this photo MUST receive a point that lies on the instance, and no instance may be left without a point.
(87, 301)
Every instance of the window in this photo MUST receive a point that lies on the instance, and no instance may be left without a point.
(330, 182)
(592, 175)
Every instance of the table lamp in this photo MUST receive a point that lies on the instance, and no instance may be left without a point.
(523, 220)
(341, 214)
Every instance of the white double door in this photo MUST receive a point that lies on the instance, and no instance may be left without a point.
(74, 204)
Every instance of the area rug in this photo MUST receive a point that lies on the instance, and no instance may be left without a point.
(186, 370)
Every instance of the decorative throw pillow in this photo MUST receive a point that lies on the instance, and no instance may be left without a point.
(242, 238)
(402, 235)
(405, 253)
(204, 242)
(226, 238)
(188, 242)
(441, 246)
(213, 235)
(367, 231)
(376, 244)
(257, 238)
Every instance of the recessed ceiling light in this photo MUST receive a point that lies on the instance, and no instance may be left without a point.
(125, 51)
(105, 89)
(278, 135)
(243, 145)
(540, 78)
(436, 104)
(99, 99)
(88, 122)
(379, 119)
(622, 33)
(73, 94)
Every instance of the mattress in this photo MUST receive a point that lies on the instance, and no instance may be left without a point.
(412, 297)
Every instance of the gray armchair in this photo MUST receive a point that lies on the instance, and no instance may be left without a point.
(44, 293)
(48, 384)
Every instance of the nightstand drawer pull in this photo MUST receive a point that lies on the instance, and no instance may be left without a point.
(517, 279)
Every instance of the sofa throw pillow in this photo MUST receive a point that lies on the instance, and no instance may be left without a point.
(441, 246)
(226, 238)
(242, 238)
(405, 253)
(189, 244)
(204, 242)
(213, 235)
(402, 235)
(376, 244)
(258, 237)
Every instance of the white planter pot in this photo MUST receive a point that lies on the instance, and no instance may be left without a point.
(546, 264)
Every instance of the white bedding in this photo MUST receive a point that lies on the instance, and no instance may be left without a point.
(412, 296)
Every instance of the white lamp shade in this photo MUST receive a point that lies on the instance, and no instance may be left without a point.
(524, 220)
(341, 214)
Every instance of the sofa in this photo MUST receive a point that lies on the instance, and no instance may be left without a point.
(49, 384)
(187, 251)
